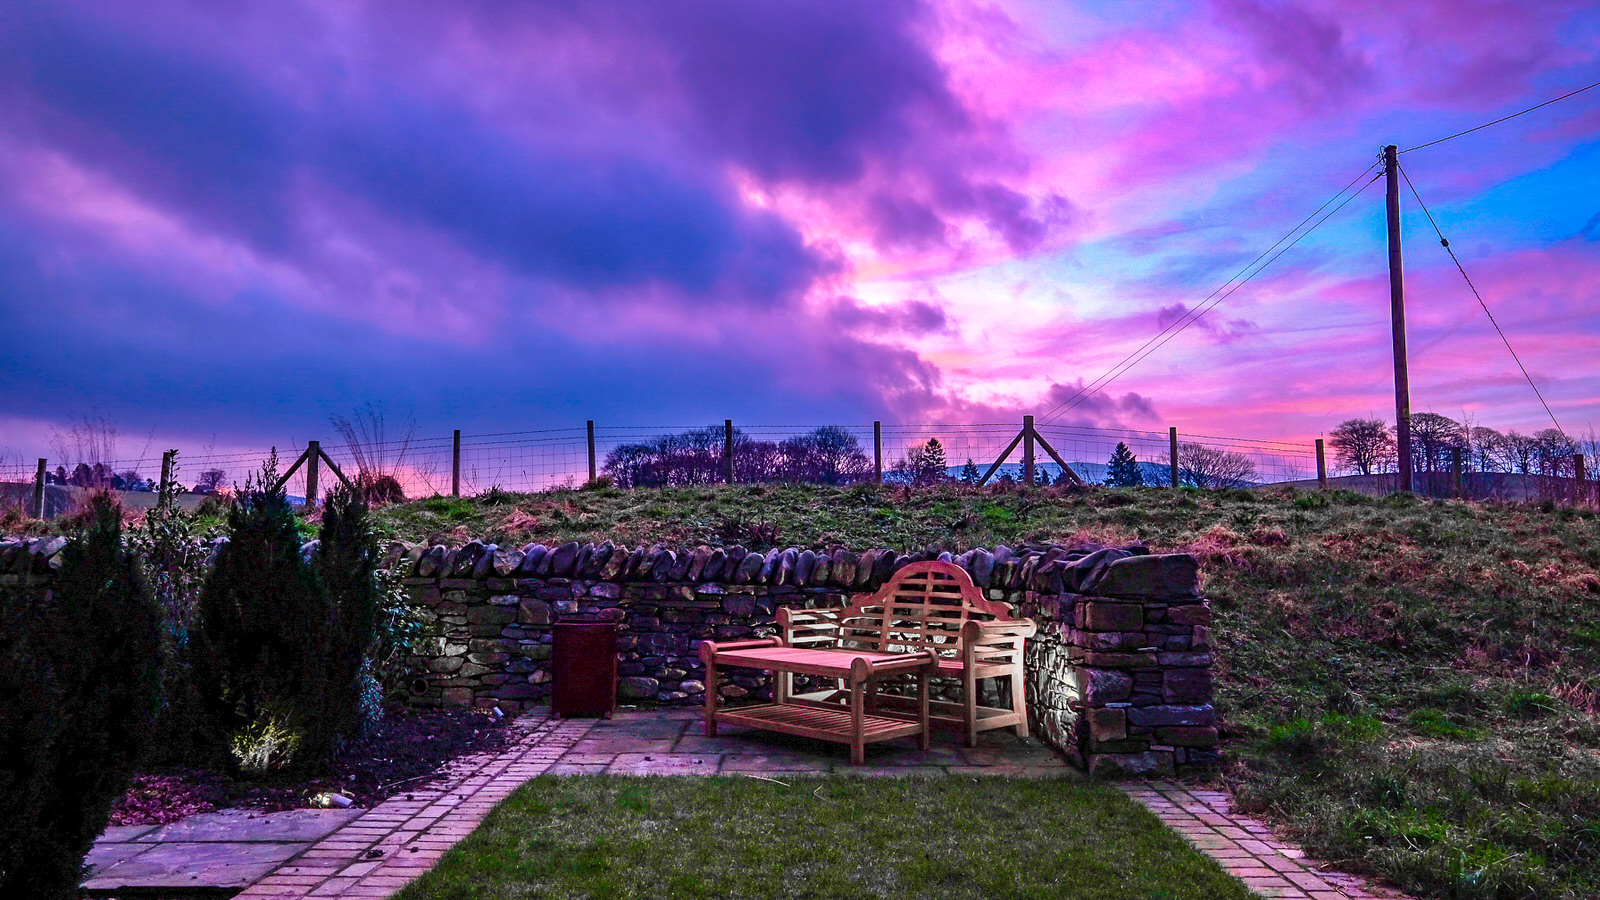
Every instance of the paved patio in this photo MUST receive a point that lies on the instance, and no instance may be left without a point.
(375, 852)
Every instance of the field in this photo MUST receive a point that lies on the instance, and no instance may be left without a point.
(1411, 687)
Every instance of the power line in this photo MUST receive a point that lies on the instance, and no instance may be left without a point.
(1212, 300)
(1445, 243)
(1504, 118)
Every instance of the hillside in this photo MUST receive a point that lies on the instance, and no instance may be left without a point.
(1411, 686)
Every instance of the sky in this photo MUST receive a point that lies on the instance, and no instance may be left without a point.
(227, 222)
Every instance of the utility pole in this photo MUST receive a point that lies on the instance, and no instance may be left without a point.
(1397, 312)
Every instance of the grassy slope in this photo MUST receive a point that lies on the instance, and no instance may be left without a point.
(1410, 685)
(609, 837)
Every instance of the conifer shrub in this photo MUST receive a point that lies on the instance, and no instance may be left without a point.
(280, 650)
(79, 685)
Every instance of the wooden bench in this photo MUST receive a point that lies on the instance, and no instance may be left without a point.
(928, 611)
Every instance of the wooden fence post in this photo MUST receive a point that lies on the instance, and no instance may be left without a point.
(455, 465)
(591, 451)
(727, 450)
(1172, 435)
(1322, 466)
(38, 490)
(1580, 479)
(877, 452)
(313, 460)
(1457, 469)
(166, 470)
(1027, 450)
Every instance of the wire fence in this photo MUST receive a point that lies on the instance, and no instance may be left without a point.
(661, 455)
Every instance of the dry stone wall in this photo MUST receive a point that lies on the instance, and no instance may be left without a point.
(1119, 676)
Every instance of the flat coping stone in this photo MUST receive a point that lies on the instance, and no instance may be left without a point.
(253, 826)
(217, 865)
(119, 833)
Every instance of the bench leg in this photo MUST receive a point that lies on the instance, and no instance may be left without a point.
(711, 697)
(1019, 700)
(969, 703)
(858, 744)
(924, 739)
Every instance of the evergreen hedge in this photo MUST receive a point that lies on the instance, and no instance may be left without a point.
(79, 684)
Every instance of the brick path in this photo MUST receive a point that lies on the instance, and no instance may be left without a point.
(1246, 848)
(402, 837)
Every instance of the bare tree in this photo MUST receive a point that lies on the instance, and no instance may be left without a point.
(1364, 445)
(1213, 467)
(1554, 452)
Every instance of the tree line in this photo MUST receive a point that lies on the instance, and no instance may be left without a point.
(1369, 447)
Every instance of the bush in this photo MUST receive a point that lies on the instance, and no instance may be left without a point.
(282, 640)
(79, 683)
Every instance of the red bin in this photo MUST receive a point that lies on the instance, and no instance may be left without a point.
(583, 664)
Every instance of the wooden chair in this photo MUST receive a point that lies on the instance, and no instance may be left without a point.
(926, 606)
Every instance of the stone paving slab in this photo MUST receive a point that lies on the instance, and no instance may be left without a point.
(217, 865)
(1247, 848)
(248, 825)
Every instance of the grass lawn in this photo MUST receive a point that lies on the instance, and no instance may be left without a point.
(613, 837)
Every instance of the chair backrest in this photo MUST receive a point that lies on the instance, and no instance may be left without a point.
(922, 606)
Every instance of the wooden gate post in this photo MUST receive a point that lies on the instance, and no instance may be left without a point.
(591, 451)
(1172, 435)
(1322, 466)
(313, 459)
(877, 452)
(38, 490)
(455, 465)
(1027, 450)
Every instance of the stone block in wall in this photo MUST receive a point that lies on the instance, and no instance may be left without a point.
(1187, 686)
(1117, 765)
(1099, 615)
(1189, 614)
(1101, 686)
(1168, 576)
(1172, 715)
(1108, 724)
(637, 688)
(1187, 736)
(1120, 660)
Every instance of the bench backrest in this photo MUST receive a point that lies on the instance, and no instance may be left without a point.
(922, 606)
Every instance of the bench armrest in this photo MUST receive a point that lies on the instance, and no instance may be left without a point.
(709, 649)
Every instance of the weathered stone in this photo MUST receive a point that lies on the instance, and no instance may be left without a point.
(883, 567)
(738, 604)
(692, 687)
(865, 567)
(491, 615)
(466, 559)
(1107, 724)
(680, 567)
(844, 567)
(615, 564)
(637, 687)
(661, 565)
(786, 563)
(697, 562)
(1168, 576)
(532, 555)
(982, 567)
(445, 664)
(769, 566)
(581, 562)
(747, 569)
(1189, 614)
(563, 558)
(1123, 660)
(1201, 638)
(456, 696)
(733, 691)
(505, 561)
(1188, 736)
(504, 600)
(1184, 660)
(1002, 553)
(638, 562)
(821, 570)
(1186, 686)
(1167, 716)
(713, 569)
(431, 562)
(1005, 571)
(1102, 686)
(1103, 616)
(605, 590)
(1116, 765)
(804, 565)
